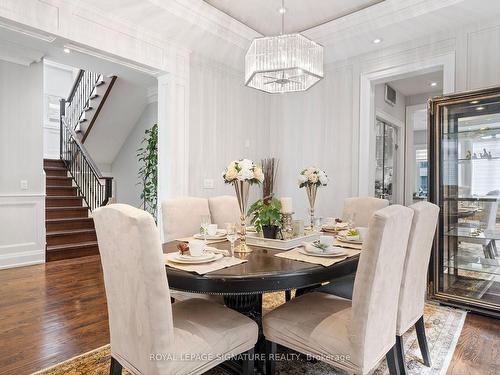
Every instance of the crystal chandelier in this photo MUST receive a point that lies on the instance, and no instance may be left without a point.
(284, 63)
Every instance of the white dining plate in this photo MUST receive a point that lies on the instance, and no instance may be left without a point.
(343, 239)
(221, 233)
(187, 259)
(323, 255)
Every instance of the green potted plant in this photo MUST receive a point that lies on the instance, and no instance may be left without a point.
(265, 216)
(148, 171)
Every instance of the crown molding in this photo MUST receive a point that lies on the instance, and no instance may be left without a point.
(17, 54)
(376, 16)
(23, 30)
(210, 19)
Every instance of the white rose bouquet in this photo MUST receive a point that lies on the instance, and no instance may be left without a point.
(243, 170)
(312, 176)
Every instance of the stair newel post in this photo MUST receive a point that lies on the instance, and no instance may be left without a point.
(62, 112)
(108, 191)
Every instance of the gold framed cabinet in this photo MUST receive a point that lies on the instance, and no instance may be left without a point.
(464, 180)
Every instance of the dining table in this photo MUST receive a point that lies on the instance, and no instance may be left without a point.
(243, 285)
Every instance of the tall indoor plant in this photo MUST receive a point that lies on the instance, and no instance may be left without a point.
(148, 171)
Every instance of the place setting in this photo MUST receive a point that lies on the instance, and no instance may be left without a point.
(196, 256)
(322, 251)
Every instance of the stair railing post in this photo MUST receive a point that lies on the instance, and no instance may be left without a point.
(108, 192)
(62, 112)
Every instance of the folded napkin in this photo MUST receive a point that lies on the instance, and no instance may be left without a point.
(295, 254)
(347, 245)
(204, 268)
(217, 251)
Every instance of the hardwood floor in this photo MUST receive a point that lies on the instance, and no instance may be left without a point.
(52, 312)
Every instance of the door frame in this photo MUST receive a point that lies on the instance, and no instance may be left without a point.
(409, 165)
(367, 113)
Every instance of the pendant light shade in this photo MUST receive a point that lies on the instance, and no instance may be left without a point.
(283, 63)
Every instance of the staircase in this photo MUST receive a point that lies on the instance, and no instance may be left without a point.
(70, 230)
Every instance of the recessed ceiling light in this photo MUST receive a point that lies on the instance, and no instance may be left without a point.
(377, 41)
(480, 108)
(433, 84)
(66, 50)
(474, 102)
(282, 10)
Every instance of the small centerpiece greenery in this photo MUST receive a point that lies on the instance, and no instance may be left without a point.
(265, 216)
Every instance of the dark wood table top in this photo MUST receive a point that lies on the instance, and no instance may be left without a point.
(263, 272)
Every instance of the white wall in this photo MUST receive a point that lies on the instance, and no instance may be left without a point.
(57, 84)
(315, 128)
(22, 212)
(227, 121)
(125, 167)
(397, 111)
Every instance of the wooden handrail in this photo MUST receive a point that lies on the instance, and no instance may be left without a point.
(75, 85)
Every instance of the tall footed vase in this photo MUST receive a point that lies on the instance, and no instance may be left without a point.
(242, 189)
(311, 195)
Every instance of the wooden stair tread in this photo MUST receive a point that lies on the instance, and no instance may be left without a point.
(72, 245)
(66, 208)
(69, 231)
(63, 196)
(60, 187)
(68, 219)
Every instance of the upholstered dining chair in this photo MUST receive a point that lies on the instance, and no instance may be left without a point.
(224, 209)
(149, 335)
(361, 209)
(181, 217)
(414, 281)
(351, 335)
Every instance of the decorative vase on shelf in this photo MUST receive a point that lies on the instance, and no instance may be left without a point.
(241, 174)
(311, 178)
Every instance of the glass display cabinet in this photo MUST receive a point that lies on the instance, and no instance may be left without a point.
(464, 180)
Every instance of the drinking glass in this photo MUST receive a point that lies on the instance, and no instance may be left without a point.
(350, 220)
(231, 235)
(205, 221)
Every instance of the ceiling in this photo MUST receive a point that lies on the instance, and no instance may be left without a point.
(264, 17)
(420, 84)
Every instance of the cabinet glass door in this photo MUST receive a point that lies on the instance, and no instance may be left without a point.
(465, 177)
(386, 159)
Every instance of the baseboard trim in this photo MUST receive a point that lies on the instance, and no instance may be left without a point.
(26, 258)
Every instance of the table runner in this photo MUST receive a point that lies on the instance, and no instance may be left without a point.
(202, 269)
(294, 254)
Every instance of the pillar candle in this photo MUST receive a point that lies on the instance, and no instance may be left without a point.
(286, 205)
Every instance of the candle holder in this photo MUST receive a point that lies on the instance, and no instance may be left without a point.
(287, 225)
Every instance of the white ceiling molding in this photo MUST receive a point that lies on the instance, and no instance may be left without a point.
(116, 60)
(23, 30)
(210, 19)
(17, 54)
(375, 17)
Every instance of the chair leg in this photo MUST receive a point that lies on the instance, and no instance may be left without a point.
(494, 247)
(422, 341)
(288, 295)
(392, 364)
(400, 351)
(115, 368)
(270, 357)
(248, 363)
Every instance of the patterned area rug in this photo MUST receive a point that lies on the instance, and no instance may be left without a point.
(443, 326)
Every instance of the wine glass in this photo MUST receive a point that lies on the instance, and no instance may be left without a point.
(350, 220)
(205, 221)
(231, 235)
